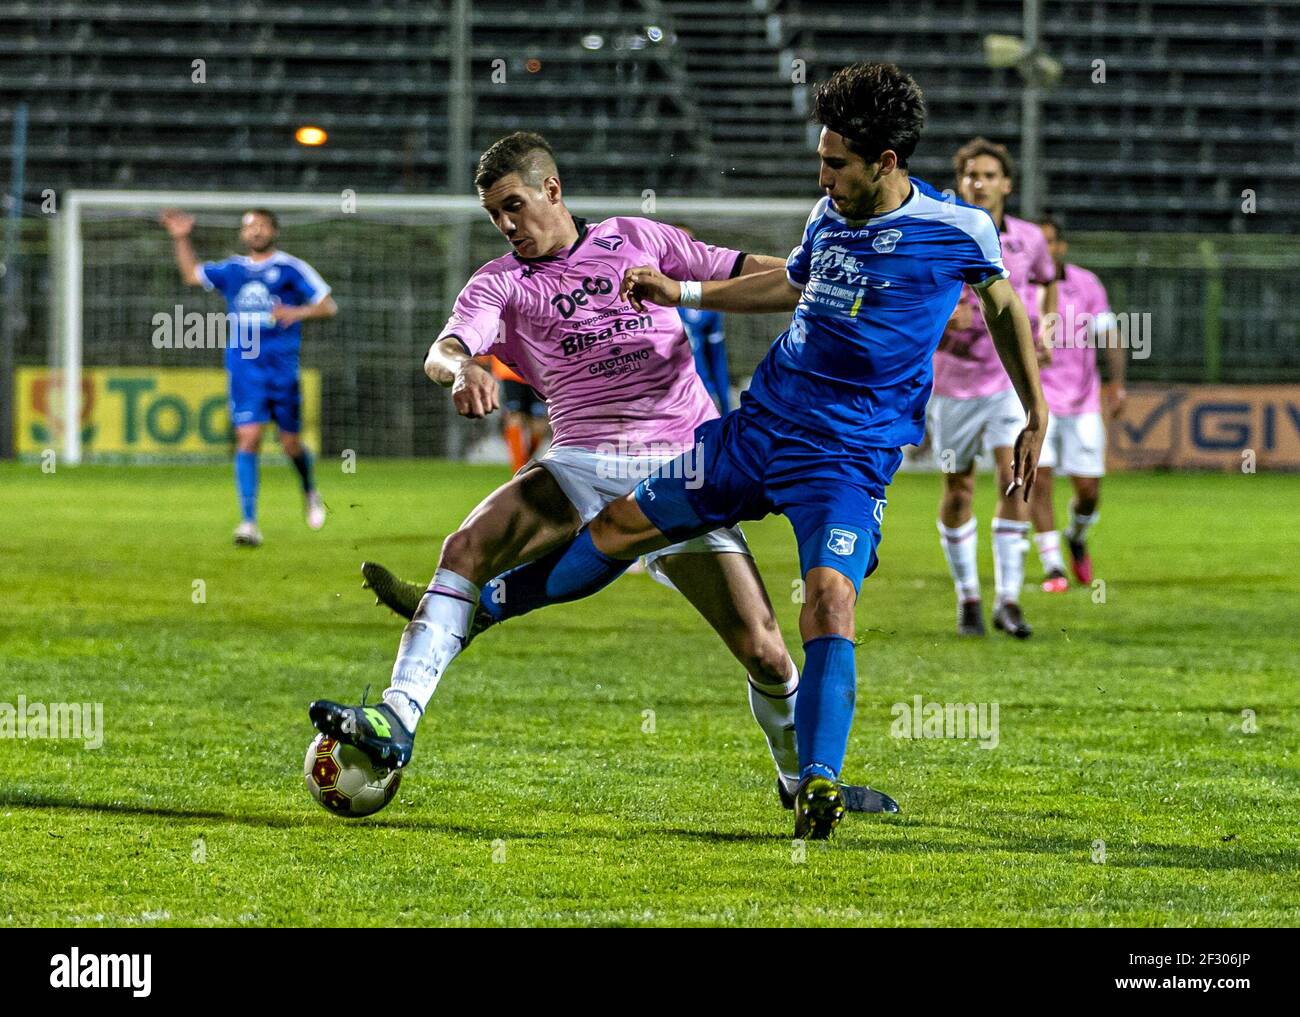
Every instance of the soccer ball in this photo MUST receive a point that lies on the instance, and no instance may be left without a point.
(344, 780)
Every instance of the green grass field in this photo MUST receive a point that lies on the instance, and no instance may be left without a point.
(536, 797)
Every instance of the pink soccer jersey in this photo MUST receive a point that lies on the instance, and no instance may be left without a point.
(1071, 382)
(966, 364)
(608, 372)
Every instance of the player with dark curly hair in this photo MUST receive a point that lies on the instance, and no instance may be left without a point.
(818, 435)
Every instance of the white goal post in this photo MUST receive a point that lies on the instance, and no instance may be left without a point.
(768, 226)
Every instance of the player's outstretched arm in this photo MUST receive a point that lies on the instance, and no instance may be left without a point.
(760, 263)
(754, 293)
(1013, 336)
(287, 315)
(473, 389)
(178, 225)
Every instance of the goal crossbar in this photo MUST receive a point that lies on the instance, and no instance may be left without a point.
(66, 242)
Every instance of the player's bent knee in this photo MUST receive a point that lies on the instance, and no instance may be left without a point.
(829, 610)
(461, 553)
(826, 617)
(958, 489)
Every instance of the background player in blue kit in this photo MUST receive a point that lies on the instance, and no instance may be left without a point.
(268, 294)
(709, 345)
(818, 435)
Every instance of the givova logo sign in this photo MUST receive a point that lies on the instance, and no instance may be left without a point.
(1207, 426)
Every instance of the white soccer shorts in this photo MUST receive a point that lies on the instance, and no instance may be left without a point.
(960, 428)
(1077, 443)
(591, 480)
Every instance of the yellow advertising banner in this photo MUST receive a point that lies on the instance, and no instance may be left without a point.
(1225, 427)
(150, 413)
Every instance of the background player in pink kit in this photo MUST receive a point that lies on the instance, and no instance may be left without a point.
(974, 405)
(1076, 435)
(624, 398)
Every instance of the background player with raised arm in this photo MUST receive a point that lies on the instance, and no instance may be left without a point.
(1076, 436)
(818, 434)
(975, 406)
(269, 294)
(623, 398)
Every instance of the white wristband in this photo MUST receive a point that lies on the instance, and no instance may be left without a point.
(692, 293)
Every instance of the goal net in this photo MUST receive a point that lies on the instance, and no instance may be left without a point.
(395, 264)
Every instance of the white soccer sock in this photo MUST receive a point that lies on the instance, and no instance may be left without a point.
(959, 546)
(430, 642)
(1080, 525)
(1049, 551)
(773, 708)
(1009, 547)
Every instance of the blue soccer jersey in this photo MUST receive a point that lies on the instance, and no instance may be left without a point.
(261, 354)
(856, 362)
(708, 344)
(251, 289)
(818, 434)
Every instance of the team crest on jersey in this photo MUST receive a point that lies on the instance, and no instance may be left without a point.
(609, 243)
(253, 296)
(272, 274)
(841, 542)
(884, 242)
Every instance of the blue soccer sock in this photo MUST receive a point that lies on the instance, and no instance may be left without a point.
(575, 570)
(303, 462)
(246, 484)
(823, 712)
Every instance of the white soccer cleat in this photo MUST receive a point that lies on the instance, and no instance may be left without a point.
(248, 535)
(315, 510)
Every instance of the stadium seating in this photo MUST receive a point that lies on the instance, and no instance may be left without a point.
(1197, 105)
(114, 101)
(687, 96)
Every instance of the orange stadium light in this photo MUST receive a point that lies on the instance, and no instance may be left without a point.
(308, 135)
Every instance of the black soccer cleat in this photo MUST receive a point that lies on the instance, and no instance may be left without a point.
(1009, 619)
(970, 618)
(818, 808)
(397, 595)
(402, 597)
(375, 730)
(856, 798)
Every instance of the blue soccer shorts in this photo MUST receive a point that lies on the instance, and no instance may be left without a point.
(258, 395)
(750, 464)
